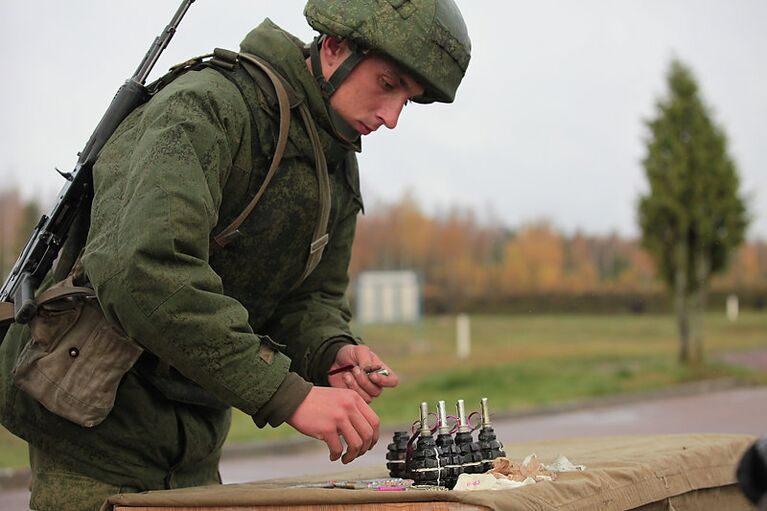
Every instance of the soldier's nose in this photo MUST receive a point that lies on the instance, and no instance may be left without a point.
(390, 112)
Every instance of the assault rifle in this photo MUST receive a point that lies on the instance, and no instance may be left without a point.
(51, 232)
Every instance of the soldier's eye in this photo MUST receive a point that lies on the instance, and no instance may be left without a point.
(386, 84)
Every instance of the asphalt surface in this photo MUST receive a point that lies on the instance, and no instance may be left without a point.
(701, 410)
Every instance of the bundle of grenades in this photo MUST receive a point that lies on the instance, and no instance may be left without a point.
(437, 462)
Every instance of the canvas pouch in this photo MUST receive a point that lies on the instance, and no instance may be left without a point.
(75, 359)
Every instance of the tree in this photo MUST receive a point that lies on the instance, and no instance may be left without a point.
(534, 260)
(693, 216)
(10, 218)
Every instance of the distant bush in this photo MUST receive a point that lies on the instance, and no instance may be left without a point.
(586, 303)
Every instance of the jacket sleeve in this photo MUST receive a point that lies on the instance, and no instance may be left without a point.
(158, 190)
(313, 321)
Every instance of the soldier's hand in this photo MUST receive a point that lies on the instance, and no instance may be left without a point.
(329, 414)
(364, 361)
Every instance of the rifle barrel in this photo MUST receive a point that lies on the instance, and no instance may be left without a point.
(42, 248)
(160, 43)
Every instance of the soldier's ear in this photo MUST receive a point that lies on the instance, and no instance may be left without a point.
(334, 51)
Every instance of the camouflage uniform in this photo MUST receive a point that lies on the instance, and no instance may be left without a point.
(178, 168)
(229, 327)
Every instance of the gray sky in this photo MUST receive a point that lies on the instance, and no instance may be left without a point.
(548, 123)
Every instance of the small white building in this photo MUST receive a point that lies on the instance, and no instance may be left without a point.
(387, 297)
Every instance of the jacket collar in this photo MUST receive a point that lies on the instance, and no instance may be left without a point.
(287, 55)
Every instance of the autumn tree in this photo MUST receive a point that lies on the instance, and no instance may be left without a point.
(693, 215)
(534, 260)
(581, 270)
(17, 221)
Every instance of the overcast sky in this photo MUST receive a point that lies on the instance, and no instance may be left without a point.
(548, 123)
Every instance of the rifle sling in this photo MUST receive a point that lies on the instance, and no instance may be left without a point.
(7, 309)
(286, 99)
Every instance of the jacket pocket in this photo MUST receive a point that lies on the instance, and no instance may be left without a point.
(75, 359)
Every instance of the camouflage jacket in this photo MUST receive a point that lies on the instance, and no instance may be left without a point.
(226, 327)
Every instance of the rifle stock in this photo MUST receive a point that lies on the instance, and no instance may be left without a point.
(43, 246)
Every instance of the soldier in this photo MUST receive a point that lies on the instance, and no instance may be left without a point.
(235, 301)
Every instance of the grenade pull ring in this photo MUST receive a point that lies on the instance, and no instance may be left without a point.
(471, 418)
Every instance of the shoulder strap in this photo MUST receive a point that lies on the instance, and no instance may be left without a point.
(320, 236)
(228, 233)
(252, 64)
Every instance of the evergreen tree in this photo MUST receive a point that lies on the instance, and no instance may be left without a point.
(693, 216)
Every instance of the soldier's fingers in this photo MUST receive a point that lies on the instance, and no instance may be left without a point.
(368, 360)
(353, 442)
(390, 380)
(380, 380)
(352, 382)
(372, 419)
(364, 430)
(364, 383)
(335, 447)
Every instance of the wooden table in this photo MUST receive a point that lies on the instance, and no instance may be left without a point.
(401, 506)
(682, 472)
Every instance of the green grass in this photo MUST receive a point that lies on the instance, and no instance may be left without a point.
(528, 384)
(520, 362)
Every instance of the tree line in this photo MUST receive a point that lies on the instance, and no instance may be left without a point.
(456, 254)
(463, 261)
(18, 218)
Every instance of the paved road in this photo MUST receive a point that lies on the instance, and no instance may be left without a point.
(739, 410)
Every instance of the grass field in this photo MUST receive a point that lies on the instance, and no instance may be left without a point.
(524, 361)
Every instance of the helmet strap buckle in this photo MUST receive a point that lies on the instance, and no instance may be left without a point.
(328, 87)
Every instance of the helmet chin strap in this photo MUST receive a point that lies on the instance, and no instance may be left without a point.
(343, 129)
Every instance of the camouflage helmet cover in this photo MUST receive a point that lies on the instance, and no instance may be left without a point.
(427, 37)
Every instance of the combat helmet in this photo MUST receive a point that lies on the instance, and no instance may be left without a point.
(428, 38)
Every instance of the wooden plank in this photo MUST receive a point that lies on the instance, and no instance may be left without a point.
(396, 506)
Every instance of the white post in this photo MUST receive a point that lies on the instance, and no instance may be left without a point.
(463, 336)
(732, 307)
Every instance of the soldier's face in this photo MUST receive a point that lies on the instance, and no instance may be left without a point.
(373, 94)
